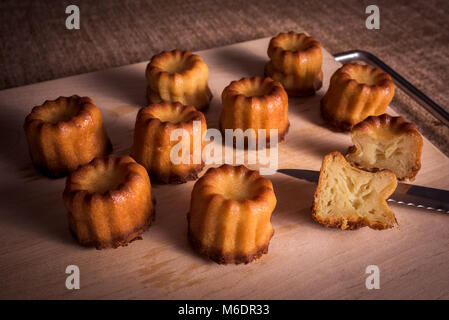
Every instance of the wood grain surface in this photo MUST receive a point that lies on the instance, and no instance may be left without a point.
(305, 260)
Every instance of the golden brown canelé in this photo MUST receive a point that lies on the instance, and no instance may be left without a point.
(178, 76)
(152, 146)
(255, 103)
(296, 61)
(109, 202)
(64, 134)
(349, 198)
(230, 214)
(356, 92)
(386, 142)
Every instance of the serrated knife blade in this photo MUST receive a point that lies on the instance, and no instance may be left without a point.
(406, 194)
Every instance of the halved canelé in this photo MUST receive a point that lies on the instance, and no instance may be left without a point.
(350, 198)
(386, 142)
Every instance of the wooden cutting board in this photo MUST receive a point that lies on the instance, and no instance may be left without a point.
(305, 260)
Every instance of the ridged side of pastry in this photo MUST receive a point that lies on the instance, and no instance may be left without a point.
(296, 85)
(152, 145)
(109, 202)
(386, 142)
(255, 103)
(350, 198)
(64, 134)
(296, 61)
(178, 76)
(230, 213)
(356, 92)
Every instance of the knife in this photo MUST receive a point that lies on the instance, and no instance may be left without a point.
(406, 194)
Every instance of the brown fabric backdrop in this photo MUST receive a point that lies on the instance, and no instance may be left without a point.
(414, 37)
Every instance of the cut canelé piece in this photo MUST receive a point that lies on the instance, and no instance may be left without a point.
(350, 198)
(386, 142)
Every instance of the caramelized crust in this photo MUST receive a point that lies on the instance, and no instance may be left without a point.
(350, 198)
(296, 61)
(178, 76)
(293, 84)
(386, 142)
(109, 202)
(152, 145)
(255, 103)
(355, 92)
(230, 213)
(65, 133)
(396, 125)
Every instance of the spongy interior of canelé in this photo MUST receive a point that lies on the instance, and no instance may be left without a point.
(385, 150)
(103, 179)
(58, 112)
(236, 187)
(350, 193)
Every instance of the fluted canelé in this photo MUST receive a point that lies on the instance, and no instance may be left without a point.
(255, 103)
(178, 76)
(65, 133)
(356, 92)
(230, 214)
(296, 61)
(152, 145)
(109, 202)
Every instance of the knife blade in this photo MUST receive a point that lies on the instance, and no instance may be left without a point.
(406, 194)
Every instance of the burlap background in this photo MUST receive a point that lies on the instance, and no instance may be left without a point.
(414, 37)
